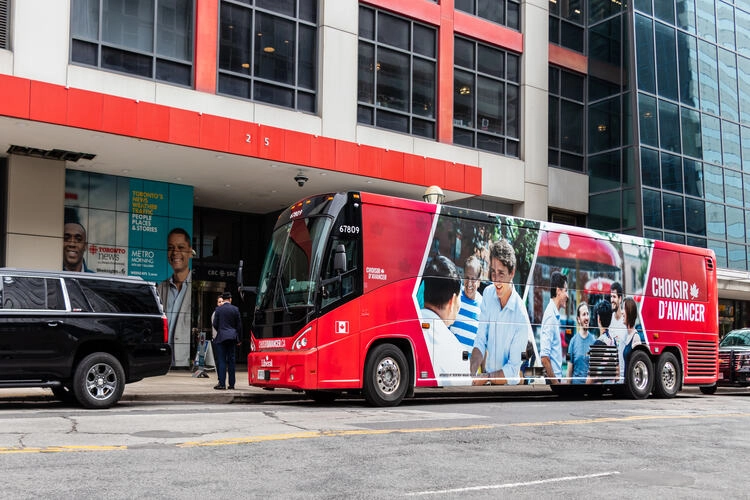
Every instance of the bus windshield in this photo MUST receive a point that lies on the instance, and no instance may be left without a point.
(292, 264)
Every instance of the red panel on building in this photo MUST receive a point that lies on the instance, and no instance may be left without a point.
(347, 157)
(297, 147)
(370, 161)
(152, 121)
(434, 172)
(393, 165)
(214, 132)
(16, 93)
(322, 152)
(421, 10)
(243, 138)
(271, 143)
(473, 180)
(414, 166)
(206, 34)
(454, 176)
(85, 109)
(568, 59)
(184, 127)
(119, 115)
(48, 103)
(488, 32)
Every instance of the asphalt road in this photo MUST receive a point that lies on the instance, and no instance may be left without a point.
(492, 446)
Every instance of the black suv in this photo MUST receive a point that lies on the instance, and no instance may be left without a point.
(83, 335)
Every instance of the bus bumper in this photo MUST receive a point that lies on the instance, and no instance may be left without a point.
(282, 370)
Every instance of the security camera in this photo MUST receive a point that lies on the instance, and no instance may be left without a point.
(300, 179)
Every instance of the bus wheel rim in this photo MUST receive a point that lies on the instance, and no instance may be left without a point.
(640, 375)
(388, 376)
(669, 376)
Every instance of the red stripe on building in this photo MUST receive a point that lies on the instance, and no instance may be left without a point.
(44, 102)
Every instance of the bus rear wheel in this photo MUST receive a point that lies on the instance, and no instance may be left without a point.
(386, 376)
(668, 376)
(638, 377)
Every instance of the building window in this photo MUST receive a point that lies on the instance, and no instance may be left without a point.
(505, 12)
(268, 52)
(486, 98)
(4, 24)
(566, 119)
(145, 38)
(566, 24)
(397, 73)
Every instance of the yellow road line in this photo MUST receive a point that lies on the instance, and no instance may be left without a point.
(372, 432)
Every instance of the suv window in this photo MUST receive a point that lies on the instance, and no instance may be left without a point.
(119, 297)
(78, 302)
(22, 292)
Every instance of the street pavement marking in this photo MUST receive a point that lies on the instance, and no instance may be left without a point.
(365, 432)
(511, 485)
(319, 434)
(61, 449)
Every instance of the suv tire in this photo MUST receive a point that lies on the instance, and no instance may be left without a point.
(99, 381)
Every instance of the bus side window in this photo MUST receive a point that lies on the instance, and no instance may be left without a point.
(337, 290)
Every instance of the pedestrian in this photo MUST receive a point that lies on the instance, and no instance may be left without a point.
(228, 325)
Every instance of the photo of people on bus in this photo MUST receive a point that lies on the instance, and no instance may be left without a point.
(535, 315)
(442, 287)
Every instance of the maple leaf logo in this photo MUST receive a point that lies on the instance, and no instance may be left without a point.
(694, 291)
(92, 249)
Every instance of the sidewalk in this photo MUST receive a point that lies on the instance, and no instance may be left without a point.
(176, 386)
(180, 386)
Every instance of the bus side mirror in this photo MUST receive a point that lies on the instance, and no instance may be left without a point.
(240, 287)
(339, 268)
(339, 259)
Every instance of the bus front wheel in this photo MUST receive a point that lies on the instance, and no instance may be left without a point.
(386, 376)
(639, 377)
(668, 376)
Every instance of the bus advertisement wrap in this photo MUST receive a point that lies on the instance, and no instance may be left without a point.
(382, 295)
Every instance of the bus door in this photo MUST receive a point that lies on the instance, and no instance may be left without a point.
(339, 321)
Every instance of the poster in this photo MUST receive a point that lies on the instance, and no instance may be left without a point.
(126, 221)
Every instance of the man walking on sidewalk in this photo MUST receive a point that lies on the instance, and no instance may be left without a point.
(228, 325)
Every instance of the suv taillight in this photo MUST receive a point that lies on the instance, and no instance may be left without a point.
(166, 329)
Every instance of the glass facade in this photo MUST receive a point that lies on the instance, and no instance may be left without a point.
(693, 118)
(144, 38)
(566, 23)
(397, 73)
(566, 119)
(505, 12)
(680, 170)
(268, 52)
(486, 101)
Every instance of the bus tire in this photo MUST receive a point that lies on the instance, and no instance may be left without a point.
(386, 377)
(708, 389)
(638, 376)
(667, 376)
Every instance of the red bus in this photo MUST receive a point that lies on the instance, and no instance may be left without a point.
(364, 293)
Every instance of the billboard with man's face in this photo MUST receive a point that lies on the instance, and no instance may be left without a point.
(123, 223)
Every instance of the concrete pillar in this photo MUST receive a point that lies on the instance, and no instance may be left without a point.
(36, 196)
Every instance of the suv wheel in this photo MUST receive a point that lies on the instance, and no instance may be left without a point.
(99, 381)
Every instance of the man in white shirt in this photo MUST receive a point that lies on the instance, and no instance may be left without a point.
(617, 328)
